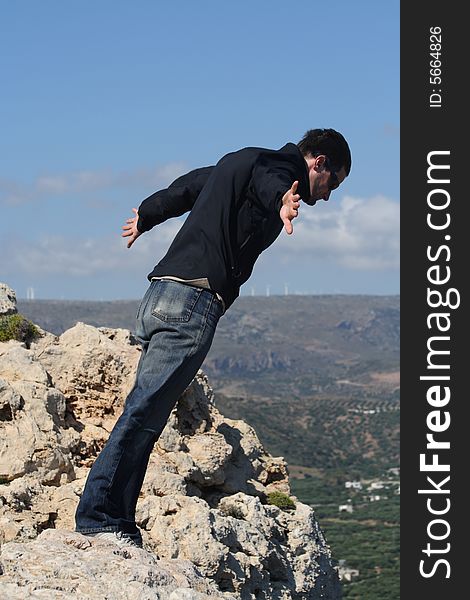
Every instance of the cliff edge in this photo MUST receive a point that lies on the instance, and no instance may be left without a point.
(207, 506)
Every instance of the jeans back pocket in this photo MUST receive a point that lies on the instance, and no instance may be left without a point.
(174, 301)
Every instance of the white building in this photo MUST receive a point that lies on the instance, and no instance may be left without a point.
(346, 573)
(355, 485)
(376, 485)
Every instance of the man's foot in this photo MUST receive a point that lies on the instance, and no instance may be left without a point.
(124, 540)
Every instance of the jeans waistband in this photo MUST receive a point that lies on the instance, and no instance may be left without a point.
(192, 283)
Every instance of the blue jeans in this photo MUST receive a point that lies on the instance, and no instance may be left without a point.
(175, 325)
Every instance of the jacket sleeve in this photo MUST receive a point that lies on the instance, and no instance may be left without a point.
(271, 178)
(178, 198)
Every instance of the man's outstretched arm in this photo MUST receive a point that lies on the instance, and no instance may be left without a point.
(271, 178)
(174, 201)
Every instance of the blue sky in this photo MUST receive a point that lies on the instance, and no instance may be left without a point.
(105, 102)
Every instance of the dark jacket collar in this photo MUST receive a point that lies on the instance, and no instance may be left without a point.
(304, 184)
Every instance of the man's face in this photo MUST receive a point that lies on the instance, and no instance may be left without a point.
(322, 180)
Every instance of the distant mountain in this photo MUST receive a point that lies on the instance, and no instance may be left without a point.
(318, 379)
(317, 376)
(57, 316)
(307, 344)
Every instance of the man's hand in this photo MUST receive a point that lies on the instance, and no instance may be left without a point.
(130, 229)
(290, 207)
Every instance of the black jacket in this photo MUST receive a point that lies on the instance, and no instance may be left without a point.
(234, 215)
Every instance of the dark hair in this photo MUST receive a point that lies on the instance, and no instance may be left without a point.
(330, 143)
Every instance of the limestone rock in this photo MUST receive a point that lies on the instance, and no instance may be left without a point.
(7, 300)
(95, 369)
(60, 564)
(32, 440)
(243, 545)
(204, 503)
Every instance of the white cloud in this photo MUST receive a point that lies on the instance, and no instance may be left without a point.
(87, 257)
(14, 193)
(355, 233)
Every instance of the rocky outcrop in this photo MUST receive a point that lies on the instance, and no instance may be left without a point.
(205, 505)
(7, 300)
(62, 565)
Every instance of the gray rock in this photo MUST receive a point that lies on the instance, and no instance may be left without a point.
(203, 508)
(60, 564)
(7, 300)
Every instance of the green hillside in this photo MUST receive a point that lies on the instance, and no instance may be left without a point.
(318, 379)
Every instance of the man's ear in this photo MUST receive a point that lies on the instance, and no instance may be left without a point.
(320, 162)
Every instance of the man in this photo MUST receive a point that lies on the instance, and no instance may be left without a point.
(237, 209)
